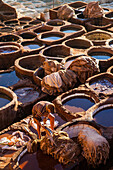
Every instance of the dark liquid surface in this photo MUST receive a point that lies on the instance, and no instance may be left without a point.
(78, 104)
(39, 161)
(31, 46)
(111, 45)
(4, 99)
(8, 79)
(105, 117)
(103, 85)
(51, 38)
(101, 56)
(26, 94)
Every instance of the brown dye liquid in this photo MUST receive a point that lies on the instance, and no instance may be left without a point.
(39, 161)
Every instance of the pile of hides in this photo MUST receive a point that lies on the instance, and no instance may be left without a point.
(58, 82)
(51, 66)
(17, 140)
(95, 147)
(93, 10)
(65, 12)
(84, 67)
(62, 148)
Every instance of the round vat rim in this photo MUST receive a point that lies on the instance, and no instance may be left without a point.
(77, 122)
(103, 104)
(93, 78)
(96, 32)
(6, 28)
(108, 42)
(51, 33)
(53, 46)
(109, 12)
(28, 32)
(19, 46)
(43, 26)
(82, 38)
(56, 20)
(22, 70)
(32, 42)
(9, 34)
(100, 49)
(80, 27)
(68, 115)
(11, 94)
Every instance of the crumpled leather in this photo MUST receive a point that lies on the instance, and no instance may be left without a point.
(93, 10)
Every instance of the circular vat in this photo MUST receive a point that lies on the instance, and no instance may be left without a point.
(98, 23)
(98, 37)
(8, 78)
(110, 43)
(43, 28)
(100, 53)
(10, 38)
(56, 51)
(26, 19)
(12, 22)
(35, 22)
(106, 10)
(74, 103)
(101, 83)
(25, 66)
(73, 29)
(104, 117)
(51, 37)
(73, 128)
(8, 104)
(78, 43)
(102, 112)
(9, 51)
(28, 35)
(103, 54)
(109, 16)
(32, 47)
(55, 22)
(6, 29)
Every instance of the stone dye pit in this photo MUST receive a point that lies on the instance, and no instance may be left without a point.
(78, 104)
(102, 85)
(104, 117)
(64, 59)
(100, 55)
